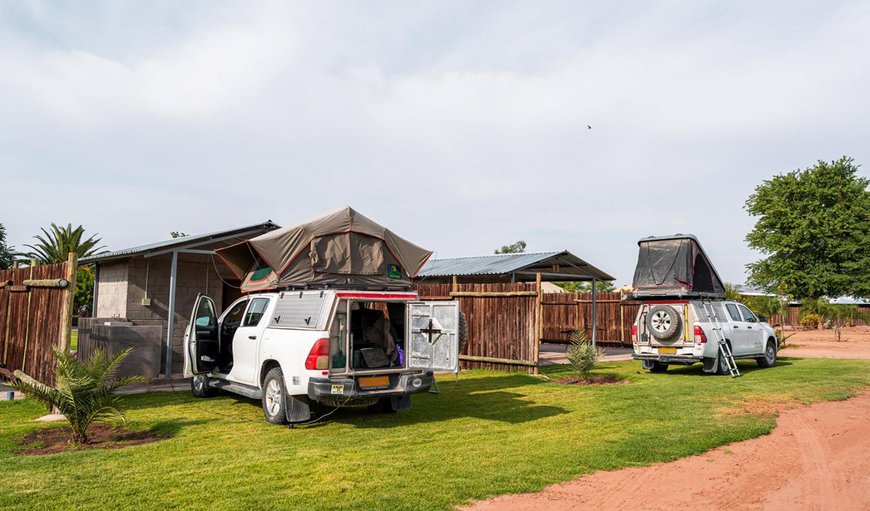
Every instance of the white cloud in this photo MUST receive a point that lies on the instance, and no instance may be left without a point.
(461, 125)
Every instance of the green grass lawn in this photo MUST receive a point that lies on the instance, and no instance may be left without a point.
(74, 340)
(488, 434)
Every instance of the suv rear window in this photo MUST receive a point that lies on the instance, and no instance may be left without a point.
(732, 311)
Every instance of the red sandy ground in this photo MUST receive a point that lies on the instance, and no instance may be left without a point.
(817, 458)
(854, 343)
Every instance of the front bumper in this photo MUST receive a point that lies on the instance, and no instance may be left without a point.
(348, 388)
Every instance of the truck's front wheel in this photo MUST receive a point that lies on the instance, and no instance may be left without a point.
(200, 387)
(275, 397)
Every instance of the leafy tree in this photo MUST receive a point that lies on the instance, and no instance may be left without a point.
(601, 286)
(54, 247)
(84, 287)
(514, 248)
(814, 229)
(85, 391)
(56, 244)
(7, 258)
(732, 291)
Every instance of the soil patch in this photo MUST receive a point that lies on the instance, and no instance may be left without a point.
(100, 436)
(854, 343)
(593, 379)
(815, 458)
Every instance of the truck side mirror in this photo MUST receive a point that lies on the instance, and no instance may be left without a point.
(762, 319)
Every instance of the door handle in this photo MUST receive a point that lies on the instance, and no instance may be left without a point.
(749, 327)
(736, 326)
(252, 337)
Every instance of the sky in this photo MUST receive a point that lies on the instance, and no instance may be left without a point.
(462, 126)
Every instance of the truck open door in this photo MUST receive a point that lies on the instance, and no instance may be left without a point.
(433, 336)
(201, 338)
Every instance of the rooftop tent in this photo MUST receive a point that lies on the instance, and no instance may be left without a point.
(342, 248)
(675, 265)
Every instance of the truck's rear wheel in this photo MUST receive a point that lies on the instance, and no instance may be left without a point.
(275, 397)
(384, 405)
(723, 366)
(200, 388)
(769, 358)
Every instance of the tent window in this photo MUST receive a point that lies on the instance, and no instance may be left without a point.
(348, 254)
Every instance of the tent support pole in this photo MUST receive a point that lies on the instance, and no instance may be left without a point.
(170, 320)
(594, 311)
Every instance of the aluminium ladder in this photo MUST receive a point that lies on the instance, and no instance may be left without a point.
(724, 348)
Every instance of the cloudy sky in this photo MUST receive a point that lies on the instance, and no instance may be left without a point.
(460, 125)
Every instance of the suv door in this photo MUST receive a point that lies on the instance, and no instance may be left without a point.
(433, 336)
(246, 342)
(754, 333)
(739, 332)
(201, 338)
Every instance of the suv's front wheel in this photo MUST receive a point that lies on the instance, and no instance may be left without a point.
(275, 397)
(769, 358)
(200, 387)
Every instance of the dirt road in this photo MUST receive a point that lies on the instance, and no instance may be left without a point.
(817, 458)
(854, 343)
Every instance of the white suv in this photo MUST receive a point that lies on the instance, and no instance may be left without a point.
(678, 332)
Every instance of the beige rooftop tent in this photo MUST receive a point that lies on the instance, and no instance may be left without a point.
(342, 248)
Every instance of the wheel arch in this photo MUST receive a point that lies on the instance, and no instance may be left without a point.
(267, 366)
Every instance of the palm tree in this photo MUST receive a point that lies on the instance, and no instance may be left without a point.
(85, 390)
(57, 243)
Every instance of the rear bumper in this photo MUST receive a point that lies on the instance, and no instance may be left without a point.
(668, 359)
(346, 387)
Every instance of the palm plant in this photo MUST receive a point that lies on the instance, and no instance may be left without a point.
(85, 390)
(58, 242)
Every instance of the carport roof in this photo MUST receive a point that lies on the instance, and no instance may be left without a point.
(565, 264)
(210, 240)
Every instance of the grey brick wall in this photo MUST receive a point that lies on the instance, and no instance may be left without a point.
(196, 274)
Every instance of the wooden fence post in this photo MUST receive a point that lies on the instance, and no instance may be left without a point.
(68, 297)
(539, 323)
(27, 321)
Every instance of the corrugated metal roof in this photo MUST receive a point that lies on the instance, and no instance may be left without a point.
(182, 242)
(505, 264)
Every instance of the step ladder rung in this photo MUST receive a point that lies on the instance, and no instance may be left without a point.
(716, 328)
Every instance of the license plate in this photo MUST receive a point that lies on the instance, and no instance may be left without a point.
(337, 389)
(667, 350)
(373, 382)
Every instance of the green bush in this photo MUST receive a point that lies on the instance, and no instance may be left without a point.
(811, 320)
(581, 354)
(84, 392)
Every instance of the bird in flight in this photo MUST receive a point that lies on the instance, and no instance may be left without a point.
(588, 126)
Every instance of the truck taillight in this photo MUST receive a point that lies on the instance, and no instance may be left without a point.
(634, 334)
(318, 357)
(700, 336)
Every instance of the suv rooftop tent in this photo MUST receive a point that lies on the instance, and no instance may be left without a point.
(339, 249)
(675, 266)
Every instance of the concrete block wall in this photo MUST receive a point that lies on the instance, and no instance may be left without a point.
(195, 274)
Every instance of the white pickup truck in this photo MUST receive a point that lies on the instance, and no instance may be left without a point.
(679, 332)
(335, 347)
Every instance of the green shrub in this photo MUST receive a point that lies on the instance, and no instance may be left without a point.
(811, 320)
(581, 354)
(84, 392)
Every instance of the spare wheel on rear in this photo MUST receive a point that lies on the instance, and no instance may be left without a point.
(663, 322)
